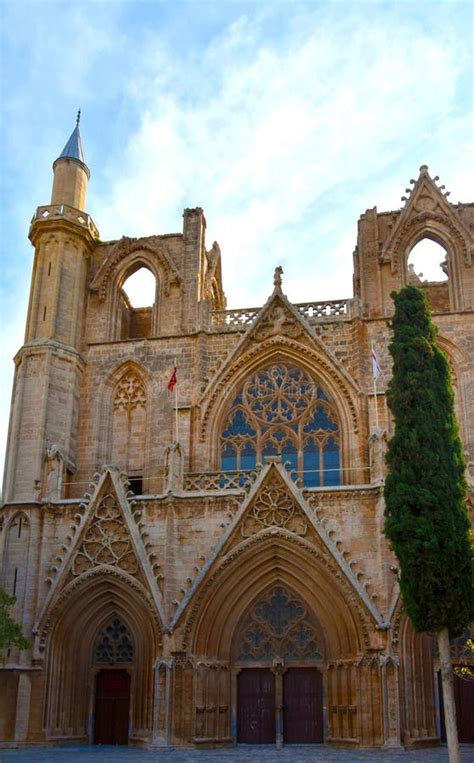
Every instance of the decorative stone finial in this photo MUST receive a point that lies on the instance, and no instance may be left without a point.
(277, 276)
(424, 168)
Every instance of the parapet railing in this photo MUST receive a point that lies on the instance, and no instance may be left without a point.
(238, 480)
(64, 211)
(313, 312)
(305, 479)
(240, 318)
(316, 311)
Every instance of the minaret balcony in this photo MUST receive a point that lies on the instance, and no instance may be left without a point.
(63, 212)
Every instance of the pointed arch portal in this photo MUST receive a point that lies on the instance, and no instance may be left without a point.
(278, 651)
(282, 411)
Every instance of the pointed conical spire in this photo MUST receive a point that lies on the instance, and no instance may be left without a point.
(74, 148)
(71, 172)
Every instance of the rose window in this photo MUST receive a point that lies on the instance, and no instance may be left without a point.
(281, 411)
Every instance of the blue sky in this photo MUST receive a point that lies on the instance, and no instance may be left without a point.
(283, 120)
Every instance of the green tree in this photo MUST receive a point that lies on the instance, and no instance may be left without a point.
(426, 517)
(10, 631)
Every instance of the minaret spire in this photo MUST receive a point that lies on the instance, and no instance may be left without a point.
(74, 148)
(71, 172)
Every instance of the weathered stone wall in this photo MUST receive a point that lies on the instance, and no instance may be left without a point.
(182, 563)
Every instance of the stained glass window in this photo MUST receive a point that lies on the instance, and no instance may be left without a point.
(281, 411)
(114, 643)
(279, 626)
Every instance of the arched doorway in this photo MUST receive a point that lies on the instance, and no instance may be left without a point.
(78, 651)
(112, 706)
(278, 656)
(114, 649)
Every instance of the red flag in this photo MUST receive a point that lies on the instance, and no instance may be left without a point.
(173, 380)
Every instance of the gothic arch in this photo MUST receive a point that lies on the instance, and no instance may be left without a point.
(126, 257)
(442, 230)
(222, 392)
(130, 265)
(266, 559)
(71, 629)
(416, 683)
(278, 615)
(134, 397)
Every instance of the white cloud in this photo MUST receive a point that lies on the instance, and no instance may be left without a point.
(291, 123)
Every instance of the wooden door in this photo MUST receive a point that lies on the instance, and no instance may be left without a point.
(302, 706)
(112, 702)
(464, 698)
(256, 706)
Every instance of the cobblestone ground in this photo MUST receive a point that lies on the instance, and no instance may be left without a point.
(240, 754)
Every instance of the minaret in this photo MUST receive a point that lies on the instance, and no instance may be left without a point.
(71, 173)
(44, 415)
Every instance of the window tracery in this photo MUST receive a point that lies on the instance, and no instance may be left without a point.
(279, 626)
(130, 392)
(281, 411)
(106, 541)
(114, 644)
(129, 419)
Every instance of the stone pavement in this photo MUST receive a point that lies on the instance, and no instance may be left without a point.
(240, 754)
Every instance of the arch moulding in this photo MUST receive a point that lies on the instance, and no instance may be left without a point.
(222, 391)
(270, 557)
(124, 256)
(443, 230)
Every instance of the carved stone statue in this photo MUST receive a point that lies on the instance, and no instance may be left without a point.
(377, 451)
(174, 468)
(54, 473)
(277, 276)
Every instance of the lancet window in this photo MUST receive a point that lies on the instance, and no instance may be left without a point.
(279, 626)
(282, 411)
(114, 643)
(129, 426)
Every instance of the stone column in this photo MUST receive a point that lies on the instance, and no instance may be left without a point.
(278, 670)
(391, 702)
(22, 707)
(161, 728)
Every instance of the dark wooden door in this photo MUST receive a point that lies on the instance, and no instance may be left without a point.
(464, 698)
(256, 706)
(302, 706)
(112, 702)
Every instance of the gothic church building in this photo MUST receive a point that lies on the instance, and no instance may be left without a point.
(207, 566)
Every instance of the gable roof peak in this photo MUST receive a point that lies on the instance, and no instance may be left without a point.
(423, 178)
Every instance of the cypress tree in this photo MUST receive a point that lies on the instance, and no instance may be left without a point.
(426, 516)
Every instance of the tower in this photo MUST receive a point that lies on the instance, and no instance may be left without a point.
(49, 366)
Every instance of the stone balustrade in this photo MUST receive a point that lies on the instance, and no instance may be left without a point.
(202, 481)
(76, 216)
(313, 312)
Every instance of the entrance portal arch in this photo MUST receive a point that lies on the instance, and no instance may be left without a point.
(278, 654)
(82, 645)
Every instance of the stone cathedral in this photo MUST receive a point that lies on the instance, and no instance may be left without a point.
(206, 566)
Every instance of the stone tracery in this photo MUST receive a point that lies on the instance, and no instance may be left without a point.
(106, 541)
(130, 392)
(281, 411)
(279, 626)
(114, 643)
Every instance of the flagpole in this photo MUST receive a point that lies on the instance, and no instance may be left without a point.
(176, 406)
(376, 406)
(375, 372)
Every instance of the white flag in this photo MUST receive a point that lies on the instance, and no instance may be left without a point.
(376, 370)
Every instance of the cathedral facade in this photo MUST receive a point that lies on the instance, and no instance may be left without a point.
(193, 516)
